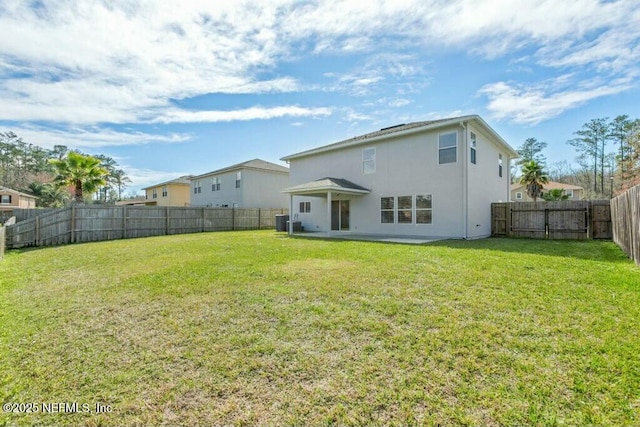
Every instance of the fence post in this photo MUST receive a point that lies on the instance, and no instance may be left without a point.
(73, 223)
(202, 216)
(259, 218)
(233, 218)
(546, 223)
(589, 220)
(166, 221)
(37, 231)
(124, 222)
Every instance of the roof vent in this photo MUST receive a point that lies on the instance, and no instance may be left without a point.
(392, 127)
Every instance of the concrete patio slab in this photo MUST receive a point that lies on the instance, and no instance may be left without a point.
(409, 240)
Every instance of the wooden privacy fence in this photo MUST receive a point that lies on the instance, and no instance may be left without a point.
(625, 212)
(582, 219)
(90, 224)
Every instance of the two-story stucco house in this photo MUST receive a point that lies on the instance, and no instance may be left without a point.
(252, 184)
(12, 199)
(170, 193)
(429, 179)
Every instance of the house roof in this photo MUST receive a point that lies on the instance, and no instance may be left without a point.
(324, 185)
(9, 190)
(551, 185)
(182, 180)
(138, 200)
(404, 129)
(255, 164)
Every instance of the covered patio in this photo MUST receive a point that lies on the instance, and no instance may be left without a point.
(328, 188)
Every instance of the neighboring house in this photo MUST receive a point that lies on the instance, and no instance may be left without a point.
(519, 191)
(170, 193)
(252, 184)
(12, 199)
(433, 179)
(136, 201)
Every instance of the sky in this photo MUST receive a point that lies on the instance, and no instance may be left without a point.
(170, 88)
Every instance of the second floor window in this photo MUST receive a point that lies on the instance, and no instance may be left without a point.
(196, 187)
(447, 148)
(154, 193)
(473, 148)
(215, 183)
(165, 192)
(238, 179)
(369, 160)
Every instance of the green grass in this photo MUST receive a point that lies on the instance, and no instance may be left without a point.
(257, 328)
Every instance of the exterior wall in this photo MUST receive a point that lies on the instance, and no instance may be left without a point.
(577, 195)
(177, 195)
(258, 189)
(18, 201)
(485, 184)
(405, 166)
(263, 189)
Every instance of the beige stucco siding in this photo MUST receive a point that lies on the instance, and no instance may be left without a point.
(177, 195)
(18, 200)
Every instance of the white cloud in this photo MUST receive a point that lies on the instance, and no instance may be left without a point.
(92, 137)
(353, 116)
(254, 113)
(87, 62)
(399, 102)
(532, 104)
(142, 178)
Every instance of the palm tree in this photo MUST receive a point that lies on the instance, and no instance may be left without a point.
(49, 195)
(534, 177)
(555, 195)
(83, 173)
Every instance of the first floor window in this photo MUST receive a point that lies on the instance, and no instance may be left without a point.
(569, 193)
(305, 207)
(6, 198)
(405, 209)
(387, 210)
(500, 165)
(519, 195)
(424, 209)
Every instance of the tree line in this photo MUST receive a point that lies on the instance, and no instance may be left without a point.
(608, 158)
(45, 173)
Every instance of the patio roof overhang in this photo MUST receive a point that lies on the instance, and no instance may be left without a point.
(324, 186)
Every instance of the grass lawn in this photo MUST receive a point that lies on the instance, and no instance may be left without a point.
(253, 328)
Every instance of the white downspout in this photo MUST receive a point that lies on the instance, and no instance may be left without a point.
(465, 181)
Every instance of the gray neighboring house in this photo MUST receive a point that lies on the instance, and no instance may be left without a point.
(429, 179)
(252, 184)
